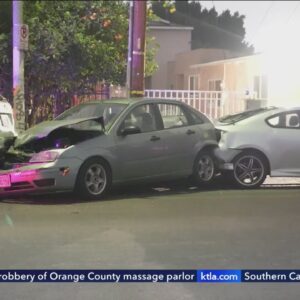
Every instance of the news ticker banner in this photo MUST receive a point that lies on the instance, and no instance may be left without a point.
(154, 276)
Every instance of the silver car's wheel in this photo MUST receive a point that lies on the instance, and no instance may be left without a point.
(94, 178)
(204, 168)
(249, 170)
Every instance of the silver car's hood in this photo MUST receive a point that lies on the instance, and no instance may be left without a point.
(45, 128)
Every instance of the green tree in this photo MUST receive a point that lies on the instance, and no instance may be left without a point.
(72, 46)
(211, 30)
(5, 41)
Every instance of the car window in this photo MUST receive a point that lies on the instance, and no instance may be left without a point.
(285, 120)
(198, 118)
(6, 120)
(292, 120)
(143, 117)
(173, 116)
(231, 119)
(109, 112)
(274, 121)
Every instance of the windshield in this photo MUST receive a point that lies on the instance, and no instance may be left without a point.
(231, 119)
(109, 111)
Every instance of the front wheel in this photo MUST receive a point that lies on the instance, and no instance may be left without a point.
(249, 170)
(204, 168)
(94, 179)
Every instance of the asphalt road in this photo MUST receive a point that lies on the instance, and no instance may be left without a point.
(174, 226)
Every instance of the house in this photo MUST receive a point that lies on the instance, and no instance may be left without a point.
(180, 74)
(244, 74)
(174, 56)
(171, 39)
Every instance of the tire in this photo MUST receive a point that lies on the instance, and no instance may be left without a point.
(94, 179)
(204, 168)
(250, 170)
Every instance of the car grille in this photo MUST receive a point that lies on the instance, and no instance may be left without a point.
(44, 182)
(21, 185)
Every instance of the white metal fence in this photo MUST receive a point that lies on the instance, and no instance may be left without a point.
(213, 104)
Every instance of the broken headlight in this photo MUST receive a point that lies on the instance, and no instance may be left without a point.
(45, 156)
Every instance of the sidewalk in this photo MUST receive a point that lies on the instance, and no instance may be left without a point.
(282, 181)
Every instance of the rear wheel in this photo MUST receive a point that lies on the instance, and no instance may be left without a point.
(249, 170)
(94, 179)
(204, 168)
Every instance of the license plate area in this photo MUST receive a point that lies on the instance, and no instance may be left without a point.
(5, 181)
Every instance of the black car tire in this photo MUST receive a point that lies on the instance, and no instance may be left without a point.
(94, 179)
(250, 170)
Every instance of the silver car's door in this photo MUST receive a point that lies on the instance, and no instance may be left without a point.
(181, 136)
(140, 155)
(285, 143)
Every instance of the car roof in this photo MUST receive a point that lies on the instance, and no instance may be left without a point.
(289, 108)
(131, 101)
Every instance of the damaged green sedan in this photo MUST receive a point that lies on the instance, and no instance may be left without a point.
(92, 146)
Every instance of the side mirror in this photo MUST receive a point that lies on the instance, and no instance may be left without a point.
(130, 130)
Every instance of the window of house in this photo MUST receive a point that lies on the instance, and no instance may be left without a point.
(215, 85)
(193, 82)
(180, 81)
(260, 86)
(148, 82)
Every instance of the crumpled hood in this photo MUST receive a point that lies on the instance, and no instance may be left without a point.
(6, 140)
(45, 128)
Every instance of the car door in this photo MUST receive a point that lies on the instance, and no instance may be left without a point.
(180, 136)
(285, 143)
(140, 155)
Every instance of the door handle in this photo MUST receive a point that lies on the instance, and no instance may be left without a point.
(154, 138)
(190, 132)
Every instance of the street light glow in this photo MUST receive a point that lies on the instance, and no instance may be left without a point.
(281, 63)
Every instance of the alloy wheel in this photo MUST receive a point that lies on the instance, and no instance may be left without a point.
(206, 168)
(249, 170)
(95, 179)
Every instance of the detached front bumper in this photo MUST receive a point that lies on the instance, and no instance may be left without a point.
(225, 157)
(40, 177)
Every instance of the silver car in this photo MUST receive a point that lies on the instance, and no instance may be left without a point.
(94, 145)
(260, 142)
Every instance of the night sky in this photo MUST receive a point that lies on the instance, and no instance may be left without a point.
(266, 21)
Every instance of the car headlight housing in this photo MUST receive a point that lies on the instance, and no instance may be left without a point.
(220, 135)
(45, 156)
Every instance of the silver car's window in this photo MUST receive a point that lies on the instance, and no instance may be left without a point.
(197, 117)
(173, 116)
(292, 120)
(142, 117)
(274, 121)
(289, 119)
(231, 119)
(109, 111)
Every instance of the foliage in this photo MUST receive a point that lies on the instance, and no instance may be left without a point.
(211, 30)
(72, 45)
(75, 43)
(5, 50)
